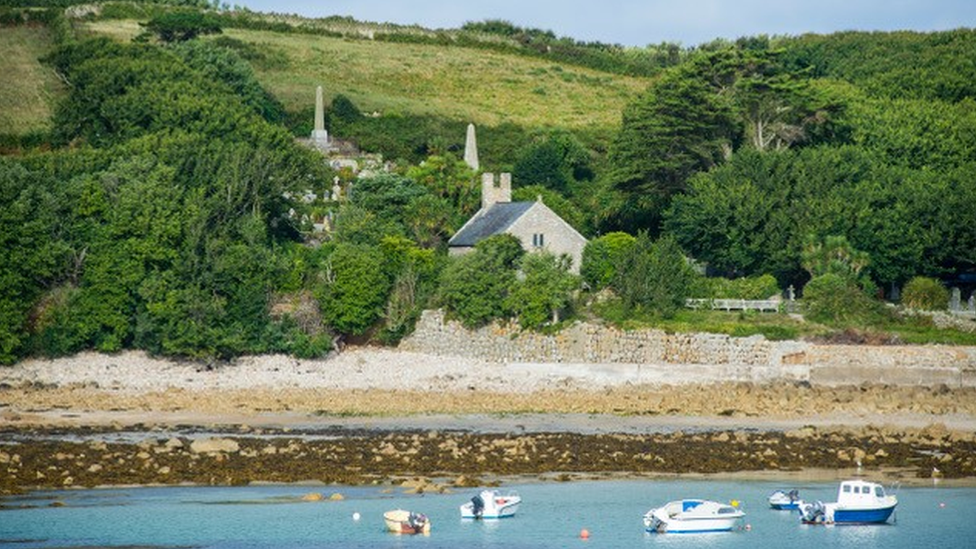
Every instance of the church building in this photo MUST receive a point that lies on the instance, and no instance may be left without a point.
(535, 225)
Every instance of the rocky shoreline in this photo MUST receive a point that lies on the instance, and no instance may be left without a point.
(427, 423)
(432, 460)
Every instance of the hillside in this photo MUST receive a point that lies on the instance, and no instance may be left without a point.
(166, 208)
(30, 90)
(482, 86)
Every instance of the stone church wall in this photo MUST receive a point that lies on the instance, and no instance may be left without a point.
(653, 356)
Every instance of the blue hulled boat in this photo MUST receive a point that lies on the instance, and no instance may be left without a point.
(785, 500)
(858, 502)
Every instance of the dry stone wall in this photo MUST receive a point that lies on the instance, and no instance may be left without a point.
(612, 356)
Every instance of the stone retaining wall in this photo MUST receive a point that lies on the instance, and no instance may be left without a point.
(611, 356)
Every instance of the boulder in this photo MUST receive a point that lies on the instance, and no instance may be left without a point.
(214, 445)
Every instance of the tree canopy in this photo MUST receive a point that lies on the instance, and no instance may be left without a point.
(167, 210)
(182, 25)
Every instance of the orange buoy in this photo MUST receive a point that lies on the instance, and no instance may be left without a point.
(584, 534)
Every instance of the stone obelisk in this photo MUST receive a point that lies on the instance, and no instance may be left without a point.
(471, 149)
(319, 135)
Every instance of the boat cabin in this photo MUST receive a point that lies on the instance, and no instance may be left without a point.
(859, 491)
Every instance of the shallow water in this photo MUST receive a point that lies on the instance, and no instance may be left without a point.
(552, 515)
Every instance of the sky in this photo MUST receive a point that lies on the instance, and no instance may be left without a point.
(643, 22)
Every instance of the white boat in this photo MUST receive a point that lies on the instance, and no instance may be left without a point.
(858, 502)
(491, 504)
(692, 516)
(785, 500)
(400, 521)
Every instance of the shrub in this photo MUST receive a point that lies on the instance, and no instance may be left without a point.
(835, 255)
(654, 277)
(925, 293)
(753, 287)
(837, 299)
(474, 287)
(355, 288)
(601, 257)
(180, 26)
(544, 289)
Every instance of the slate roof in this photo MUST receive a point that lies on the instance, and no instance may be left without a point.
(494, 220)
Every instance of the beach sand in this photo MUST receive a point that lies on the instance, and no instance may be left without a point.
(131, 388)
(379, 415)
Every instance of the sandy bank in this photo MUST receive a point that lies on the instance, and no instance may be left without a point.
(132, 388)
(371, 415)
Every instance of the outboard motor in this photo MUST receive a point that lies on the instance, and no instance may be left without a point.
(478, 505)
(814, 512)
(417, 521)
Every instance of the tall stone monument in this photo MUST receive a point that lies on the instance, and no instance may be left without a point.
(471, 149)
(320, 136)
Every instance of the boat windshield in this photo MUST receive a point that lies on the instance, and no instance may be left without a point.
(879, 491)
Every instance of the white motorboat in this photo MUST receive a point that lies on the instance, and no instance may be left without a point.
(692, 516)
(858, 502)
(491, 504)
(785, 500)
(400, 521)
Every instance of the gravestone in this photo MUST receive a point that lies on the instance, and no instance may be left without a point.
(320, 136)
(955, 302)
(336, 189)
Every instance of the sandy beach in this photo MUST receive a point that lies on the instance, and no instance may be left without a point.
(373, 415)
(132, 387)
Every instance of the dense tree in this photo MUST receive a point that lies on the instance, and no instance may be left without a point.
(558, 161)
(182, 25)
(475, 286)
(228, 67)
(169, 223)
(414, 272)
(678, 127)
(654, 277)
(544, 289)
(452, 180)
(697, 114)
(354, 288)
(930, 66)
(386, 195)
(428, 220)
(32, 255)
(752, 215)
(601, 258)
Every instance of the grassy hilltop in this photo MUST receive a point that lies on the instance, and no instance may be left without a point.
(478, 85)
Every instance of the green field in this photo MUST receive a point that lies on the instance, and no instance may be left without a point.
(476, 85)
(29, 89)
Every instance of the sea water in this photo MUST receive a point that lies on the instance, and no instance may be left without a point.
(552, 515)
